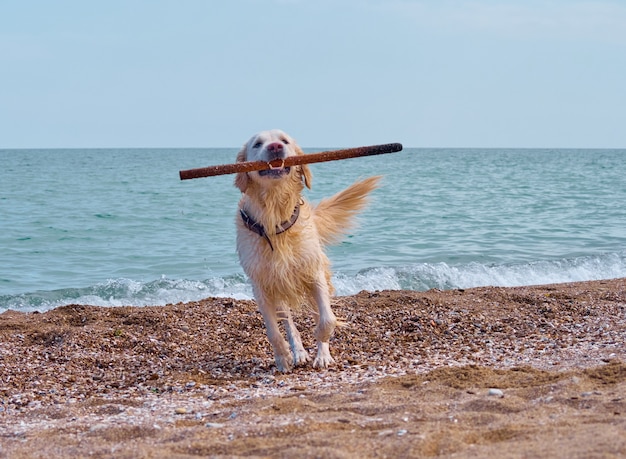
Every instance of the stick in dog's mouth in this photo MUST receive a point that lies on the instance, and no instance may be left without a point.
(276, 164)
(276, 169)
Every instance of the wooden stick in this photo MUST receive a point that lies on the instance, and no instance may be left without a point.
(249, 166)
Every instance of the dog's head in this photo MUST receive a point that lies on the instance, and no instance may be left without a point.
(270, 146)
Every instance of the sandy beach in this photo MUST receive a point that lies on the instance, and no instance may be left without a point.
(484, 372)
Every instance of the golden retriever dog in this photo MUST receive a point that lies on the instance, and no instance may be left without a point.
(280, 242)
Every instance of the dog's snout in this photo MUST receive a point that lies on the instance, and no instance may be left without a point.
(275, 147)
(275, 150)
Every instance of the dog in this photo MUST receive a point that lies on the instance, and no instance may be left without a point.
(280, 243)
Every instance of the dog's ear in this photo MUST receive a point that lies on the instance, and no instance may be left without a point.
(305, 172)
(242, 179)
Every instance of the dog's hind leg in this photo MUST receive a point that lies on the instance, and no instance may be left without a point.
(282, 354)
(300, 355)
(326, 323)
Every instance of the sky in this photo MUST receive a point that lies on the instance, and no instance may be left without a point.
(342, 73)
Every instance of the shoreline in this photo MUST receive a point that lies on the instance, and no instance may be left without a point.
(175, 379)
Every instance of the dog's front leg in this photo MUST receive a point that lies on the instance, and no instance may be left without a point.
(300, 355)
(282, 354)
(326, 322)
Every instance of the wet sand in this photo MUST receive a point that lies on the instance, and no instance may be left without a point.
(486, 372)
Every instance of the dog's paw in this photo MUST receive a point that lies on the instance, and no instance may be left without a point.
(323, 362)
(300, 357)
(284, 363)
(323, 358)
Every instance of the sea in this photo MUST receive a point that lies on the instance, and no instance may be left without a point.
(115, 227)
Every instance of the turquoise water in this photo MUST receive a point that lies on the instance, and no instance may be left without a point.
(118, 227)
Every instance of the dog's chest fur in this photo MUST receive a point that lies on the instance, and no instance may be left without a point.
(287, 270)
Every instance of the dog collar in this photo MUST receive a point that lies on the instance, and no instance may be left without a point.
(256, 227)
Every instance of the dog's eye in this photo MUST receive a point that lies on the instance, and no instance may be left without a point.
(257, 145)
(285, 141)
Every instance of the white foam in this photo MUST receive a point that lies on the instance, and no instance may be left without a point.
(420, 276)
(424, 276)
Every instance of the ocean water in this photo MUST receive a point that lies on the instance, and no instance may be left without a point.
(117, 227)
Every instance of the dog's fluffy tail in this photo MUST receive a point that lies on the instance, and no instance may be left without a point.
(335, 215)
